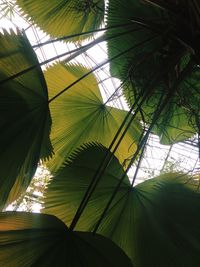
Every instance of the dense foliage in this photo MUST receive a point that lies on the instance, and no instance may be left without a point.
(58, 116)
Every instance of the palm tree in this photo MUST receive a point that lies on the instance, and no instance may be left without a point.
(58, 116)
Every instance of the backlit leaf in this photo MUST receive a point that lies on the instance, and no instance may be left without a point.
(151, 62)
(153, 222)
(25, 120)
(64, 17)
(67, 188)
(79, 115)
(40, 240)
(175, 123)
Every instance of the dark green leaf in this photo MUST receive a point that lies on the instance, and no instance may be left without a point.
(40, 240)
(156, 60)
(141, 61)
(175, 123)
(156, 222)
(25, 120)
(67, 188)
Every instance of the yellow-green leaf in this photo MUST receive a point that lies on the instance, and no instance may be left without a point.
(64, 17)
(79, 115)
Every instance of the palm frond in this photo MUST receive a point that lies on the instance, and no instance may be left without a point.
(61, 18)
(25, 119)
(79, 115)
(156, 221)
(26, 239)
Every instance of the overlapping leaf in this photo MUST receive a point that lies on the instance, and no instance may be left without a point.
(166, 221)
(28, 239)
(156, 221)
(190, 95)
(154, 61)
(155, 51)
(67, 188)
(175, 123)
(80, 116)
(25, 120)
(64, 17)
(137, 45)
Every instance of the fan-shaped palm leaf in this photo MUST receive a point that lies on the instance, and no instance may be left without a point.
(159, 44)
(75, 176)
(157, 57)
(155, 222)
(28, 239)
(60, 17)
(25, 120)
(139, 42)
(80, 116)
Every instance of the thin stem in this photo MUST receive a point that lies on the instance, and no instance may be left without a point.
(162, 31)
(162, 5)
(115, 92)
(80, 34)
(166, 158)
(160, 107)
(108, 157)
(101, 65)
(81, 49)
(36, 66)
(105, 162)
(139, 162)
(103, 165)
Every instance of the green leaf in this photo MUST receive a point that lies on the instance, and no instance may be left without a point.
(175, 123)
(25, 119)
(167, 221)
(190, 93)
(155, 59)
(154, 222)
(79, 115)
(28, 239)
(138, 44)
(155, 50)
(67, 188)
(64, 17)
